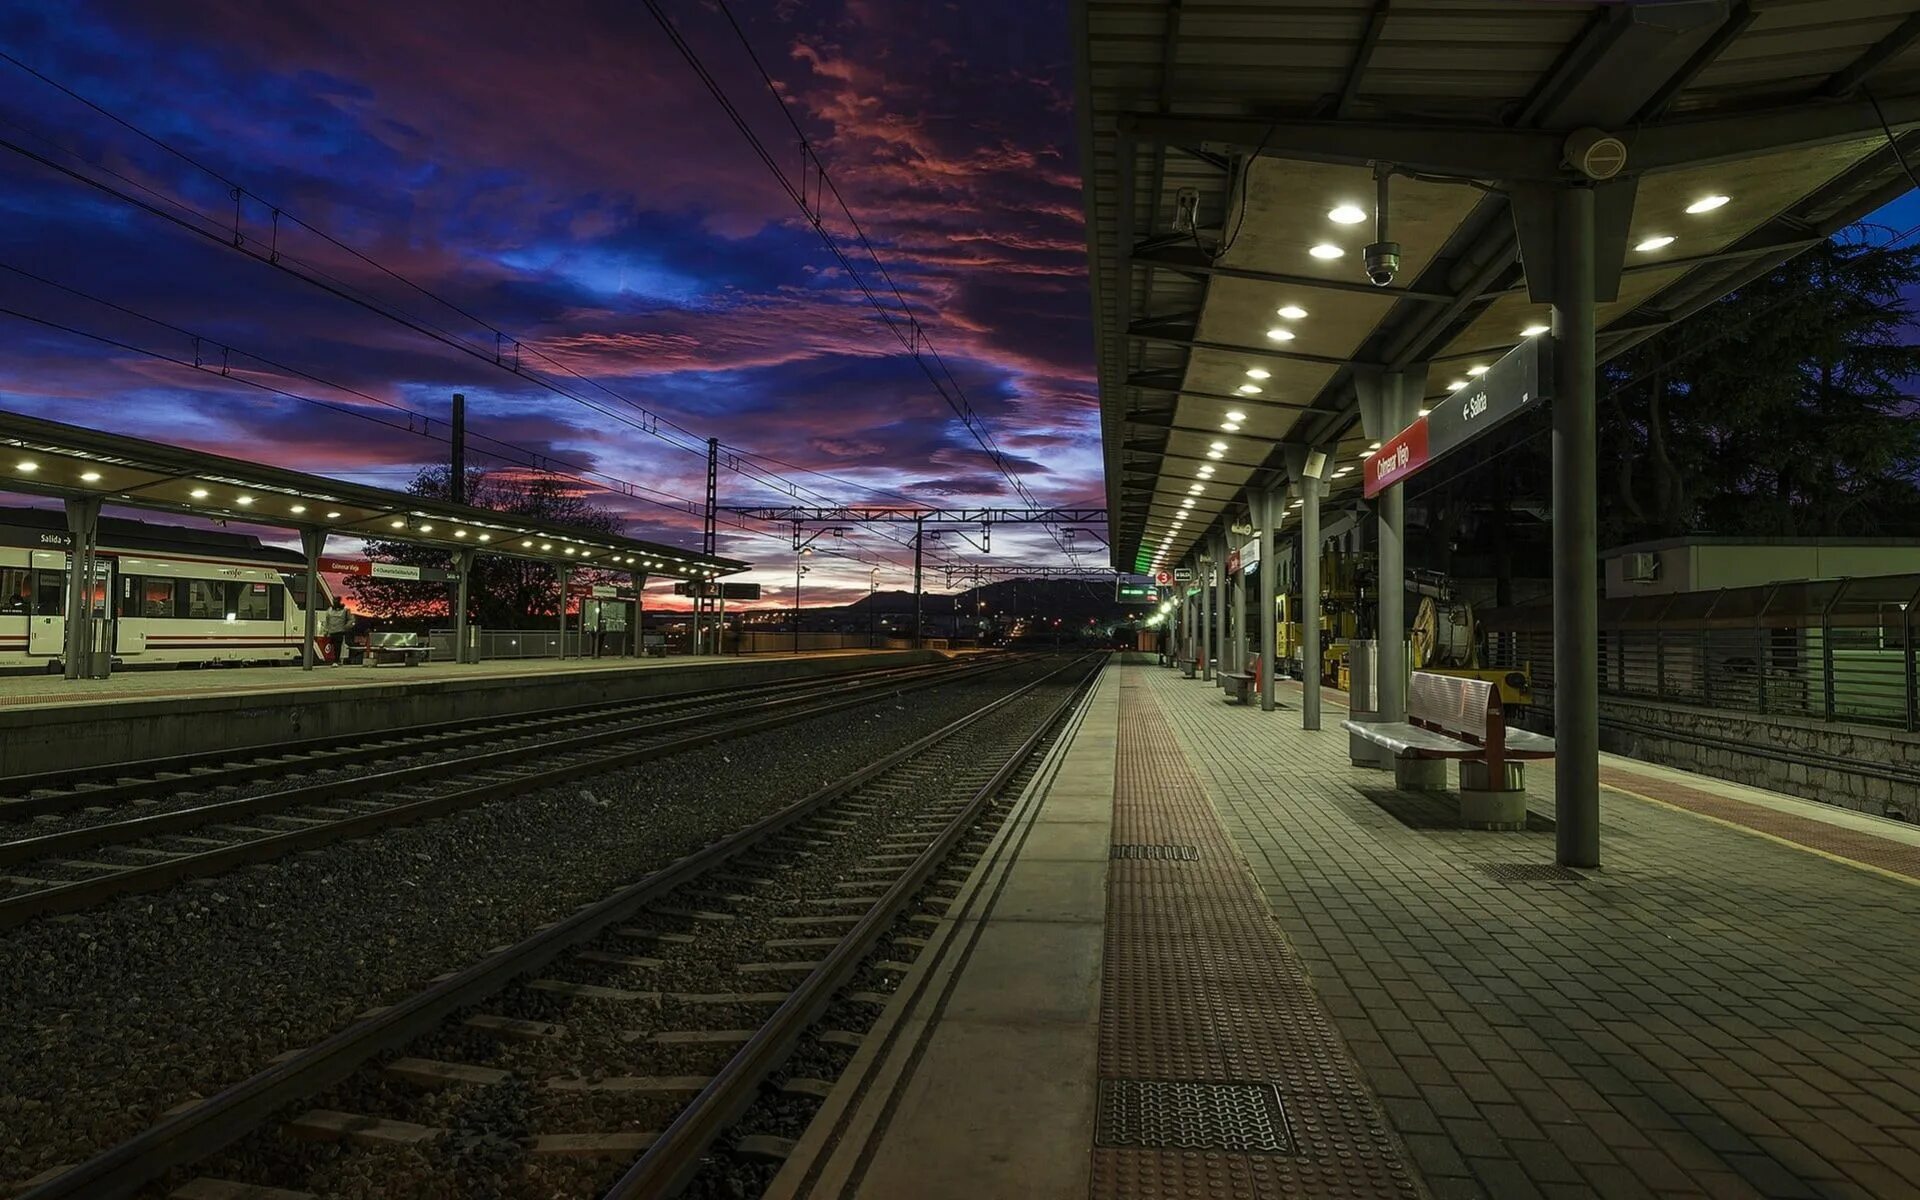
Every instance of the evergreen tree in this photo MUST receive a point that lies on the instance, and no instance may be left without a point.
(1781, 410)
(504, 593)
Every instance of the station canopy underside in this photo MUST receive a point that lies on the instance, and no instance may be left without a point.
(1268, 117)
(53, 459)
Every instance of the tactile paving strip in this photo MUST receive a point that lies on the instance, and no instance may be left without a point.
(1200, 986)
(1185, 1114)
(1900, 858)
(1137, 850)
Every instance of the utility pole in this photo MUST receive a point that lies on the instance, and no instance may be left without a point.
(919, 537)
(458, 590)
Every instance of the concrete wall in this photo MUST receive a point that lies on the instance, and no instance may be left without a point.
(1758, 750)
(51, 738)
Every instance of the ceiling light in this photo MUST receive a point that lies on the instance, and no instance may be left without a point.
(1249, 389)
(1654, 243)
(1231, 426)
(1347, 214)
(546, 545)
(1326, 250)
(198, 493)
(1456, 385)
(1187, 503)
(1217, 446)
(1280, 335)
(398, 525)
(528, 542)
(1423, 412)
(1293, 312)
(333, 516)
(243, 500)
(298, 509)
(26, 466)
(1706, 204)
(1258, 373)
(1533, 331)
(486, 537)
(90, 477)
(459, 533)
(1476, 370)
(1373, 446)
(569, 550)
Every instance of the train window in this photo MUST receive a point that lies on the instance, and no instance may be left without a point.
(50, 594)
(155, 596)
(16, 591)
(250, 601)
(205, 600)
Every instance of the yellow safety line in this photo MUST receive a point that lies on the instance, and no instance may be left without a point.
(1842, 859)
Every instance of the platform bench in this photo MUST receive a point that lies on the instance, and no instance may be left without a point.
(1461, 719)
(1189, 667)
(1238, 685)
(406, 648)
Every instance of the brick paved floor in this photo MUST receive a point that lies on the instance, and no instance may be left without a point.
(1712, 1014)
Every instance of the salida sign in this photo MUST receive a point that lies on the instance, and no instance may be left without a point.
(1509, 388)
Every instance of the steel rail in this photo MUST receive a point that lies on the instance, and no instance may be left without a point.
(85, 893)
(232, 1113)
(670, 1163)
(252, 762)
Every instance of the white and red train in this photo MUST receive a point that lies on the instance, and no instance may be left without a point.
(181, 596)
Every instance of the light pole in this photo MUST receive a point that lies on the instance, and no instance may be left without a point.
(799, 568)
(873, 590)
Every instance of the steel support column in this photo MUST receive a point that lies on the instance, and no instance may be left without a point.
(1223, 650)
(1268, 516)
(462, 595)
(1576, 632)
(639, 613)
(1310, 654)
(1388, 401)
(566, 581)
(83, 523)
(1206, 614)
(313, 543)
(919, 539)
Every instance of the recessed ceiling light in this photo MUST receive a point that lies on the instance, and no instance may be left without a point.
(1231, 426)
(1373, 445)
(1326, 250)
(486, 537)
(333, 516)
(1258, 373)
(1236, 415)
(1347, 214)
(1217, 446)
(1533, 331)
(459, 533)
(298, 509)
(1476, 370)
(1706, 204)
(426, 529)
(1456, 385)
(1343, 471)
(1293, 312)
(1654, 243)
(89, 477)
(243, 500)
(546, 545)
(1423, 412)
(198, 493)
(398, 525)
(1249, 389)
(528, 542)
(1280, 335)
(26, 466)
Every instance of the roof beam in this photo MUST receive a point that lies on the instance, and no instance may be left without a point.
(1842, 83)
(1191, 261)
(1702, 141)
(1362, 56)
(1469, 151)
(1161, 338)
(1709, 52)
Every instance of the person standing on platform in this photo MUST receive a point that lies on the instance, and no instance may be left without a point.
(339, 622)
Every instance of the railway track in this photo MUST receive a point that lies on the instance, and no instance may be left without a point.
(185, 836)
(606, 1054)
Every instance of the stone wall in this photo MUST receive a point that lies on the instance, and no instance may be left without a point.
(1845, 765)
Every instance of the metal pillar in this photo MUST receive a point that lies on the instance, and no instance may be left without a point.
(1387, 404)
(313, 542)
(83, 523)
(457, 485)
(1269, 516)
(1576, 633)
(462, 592)
(1237, 601)
(1206, 617)
(639, 613)
(566, 581)
(1310, 656)
(919, 536)
(1220, 615)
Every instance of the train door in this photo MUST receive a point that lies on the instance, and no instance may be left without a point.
(47, 627)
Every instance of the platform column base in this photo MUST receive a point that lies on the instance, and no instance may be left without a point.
(1487, 802)
(1420, 774)
(1363, 753)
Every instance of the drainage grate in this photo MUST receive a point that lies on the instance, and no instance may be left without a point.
(1190, 1115)
(1531, 873)
(1155, 850)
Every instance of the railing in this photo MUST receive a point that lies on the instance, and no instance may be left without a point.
(1829, 649)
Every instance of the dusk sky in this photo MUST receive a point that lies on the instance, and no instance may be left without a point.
(559, 173)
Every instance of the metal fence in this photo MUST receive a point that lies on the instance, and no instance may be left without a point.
(1829, 649)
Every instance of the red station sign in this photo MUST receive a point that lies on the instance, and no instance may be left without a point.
(1397, 458)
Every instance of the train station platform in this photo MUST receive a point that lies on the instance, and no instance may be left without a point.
(1207, 957)
(51, 723)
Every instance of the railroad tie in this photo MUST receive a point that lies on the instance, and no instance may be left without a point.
(206, 1188)
(514, 1027)
(428, 1073)
(592, 1145)
(326, 1125)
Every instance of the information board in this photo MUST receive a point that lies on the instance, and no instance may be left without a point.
(1510, 387)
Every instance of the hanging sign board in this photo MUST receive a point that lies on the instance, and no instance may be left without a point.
(713, 587)
(1135, 591)
(1183, 574)
(381, 570)
(1250, 555)
(1510, 387)
(1233, 562)
(1163, 578)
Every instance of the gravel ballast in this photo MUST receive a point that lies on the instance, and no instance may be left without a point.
(119, 1013)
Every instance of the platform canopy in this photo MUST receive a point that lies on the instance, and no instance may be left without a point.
(1230, 155)
(53, 459)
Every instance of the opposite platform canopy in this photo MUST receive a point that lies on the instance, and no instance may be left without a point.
(53, 459)
(1229, 153)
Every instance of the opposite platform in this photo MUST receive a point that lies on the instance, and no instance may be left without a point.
(1728, 1008)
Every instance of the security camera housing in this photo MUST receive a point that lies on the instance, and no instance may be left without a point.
(1383, 260)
